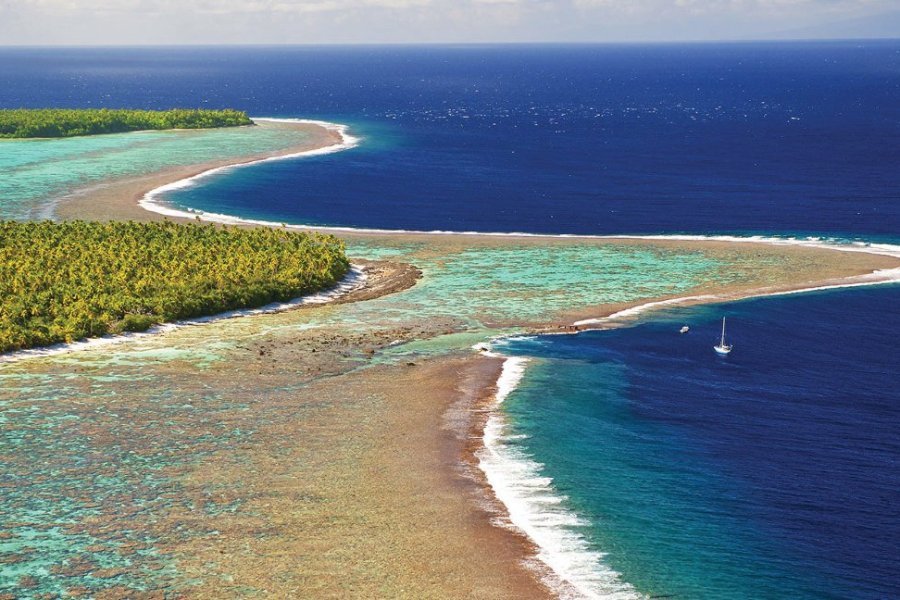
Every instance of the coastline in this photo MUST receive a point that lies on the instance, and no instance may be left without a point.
(366, 280)
(130, 199)
(623, 314)
(405, 521)
(119, 199)
(531, 504)
(137, 199)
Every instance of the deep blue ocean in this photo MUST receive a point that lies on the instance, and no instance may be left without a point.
(773, 473)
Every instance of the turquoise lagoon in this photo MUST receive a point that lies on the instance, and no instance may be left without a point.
(469, 294)
(36, 173)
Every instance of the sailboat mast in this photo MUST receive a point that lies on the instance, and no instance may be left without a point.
(722, 348)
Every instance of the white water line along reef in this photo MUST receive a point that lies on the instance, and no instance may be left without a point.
(301, 453)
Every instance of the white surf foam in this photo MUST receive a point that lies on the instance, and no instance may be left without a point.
(517, 480)
(641, 308)
(152, 199)
(539, 511)
(877, 277)
(811, 241)
(354, 279)
(152, 202)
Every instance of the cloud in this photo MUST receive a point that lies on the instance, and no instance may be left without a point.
(218, 6)
(362, 21)
(628, 7)
(723, 19)
(760, 7)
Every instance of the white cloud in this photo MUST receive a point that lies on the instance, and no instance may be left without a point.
(219, 6)
(174, 7)
(353, 21)
(712, 6)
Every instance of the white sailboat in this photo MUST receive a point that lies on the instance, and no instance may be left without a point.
(723, 348)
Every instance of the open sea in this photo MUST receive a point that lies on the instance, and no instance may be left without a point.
(647, 465)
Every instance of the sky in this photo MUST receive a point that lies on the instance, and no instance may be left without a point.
(139, 22)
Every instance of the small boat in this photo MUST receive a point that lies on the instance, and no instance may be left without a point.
(723, 348)
(684, 329)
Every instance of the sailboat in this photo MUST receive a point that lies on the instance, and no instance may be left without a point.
(723, 348)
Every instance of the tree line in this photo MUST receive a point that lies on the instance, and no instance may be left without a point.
(59, 122)
(61, 282)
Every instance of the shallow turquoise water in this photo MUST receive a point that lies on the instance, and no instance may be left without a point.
(759, 475)
(38, 171)
(533, 283)
(472, 294)
(738, 138)
(530, 281)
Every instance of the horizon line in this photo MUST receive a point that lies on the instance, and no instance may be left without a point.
(673, 42)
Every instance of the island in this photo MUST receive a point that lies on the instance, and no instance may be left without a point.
(58, 122)
(301, 453)
(61, 282)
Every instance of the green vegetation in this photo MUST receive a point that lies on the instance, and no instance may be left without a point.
(66, 281)
(55, 122)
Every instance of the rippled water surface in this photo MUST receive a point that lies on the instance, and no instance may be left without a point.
(767, 474)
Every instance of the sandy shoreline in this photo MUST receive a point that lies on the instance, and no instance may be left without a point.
(117, 199)
(403, 522)
(366, 280)
(431, 421)
(120, 200)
